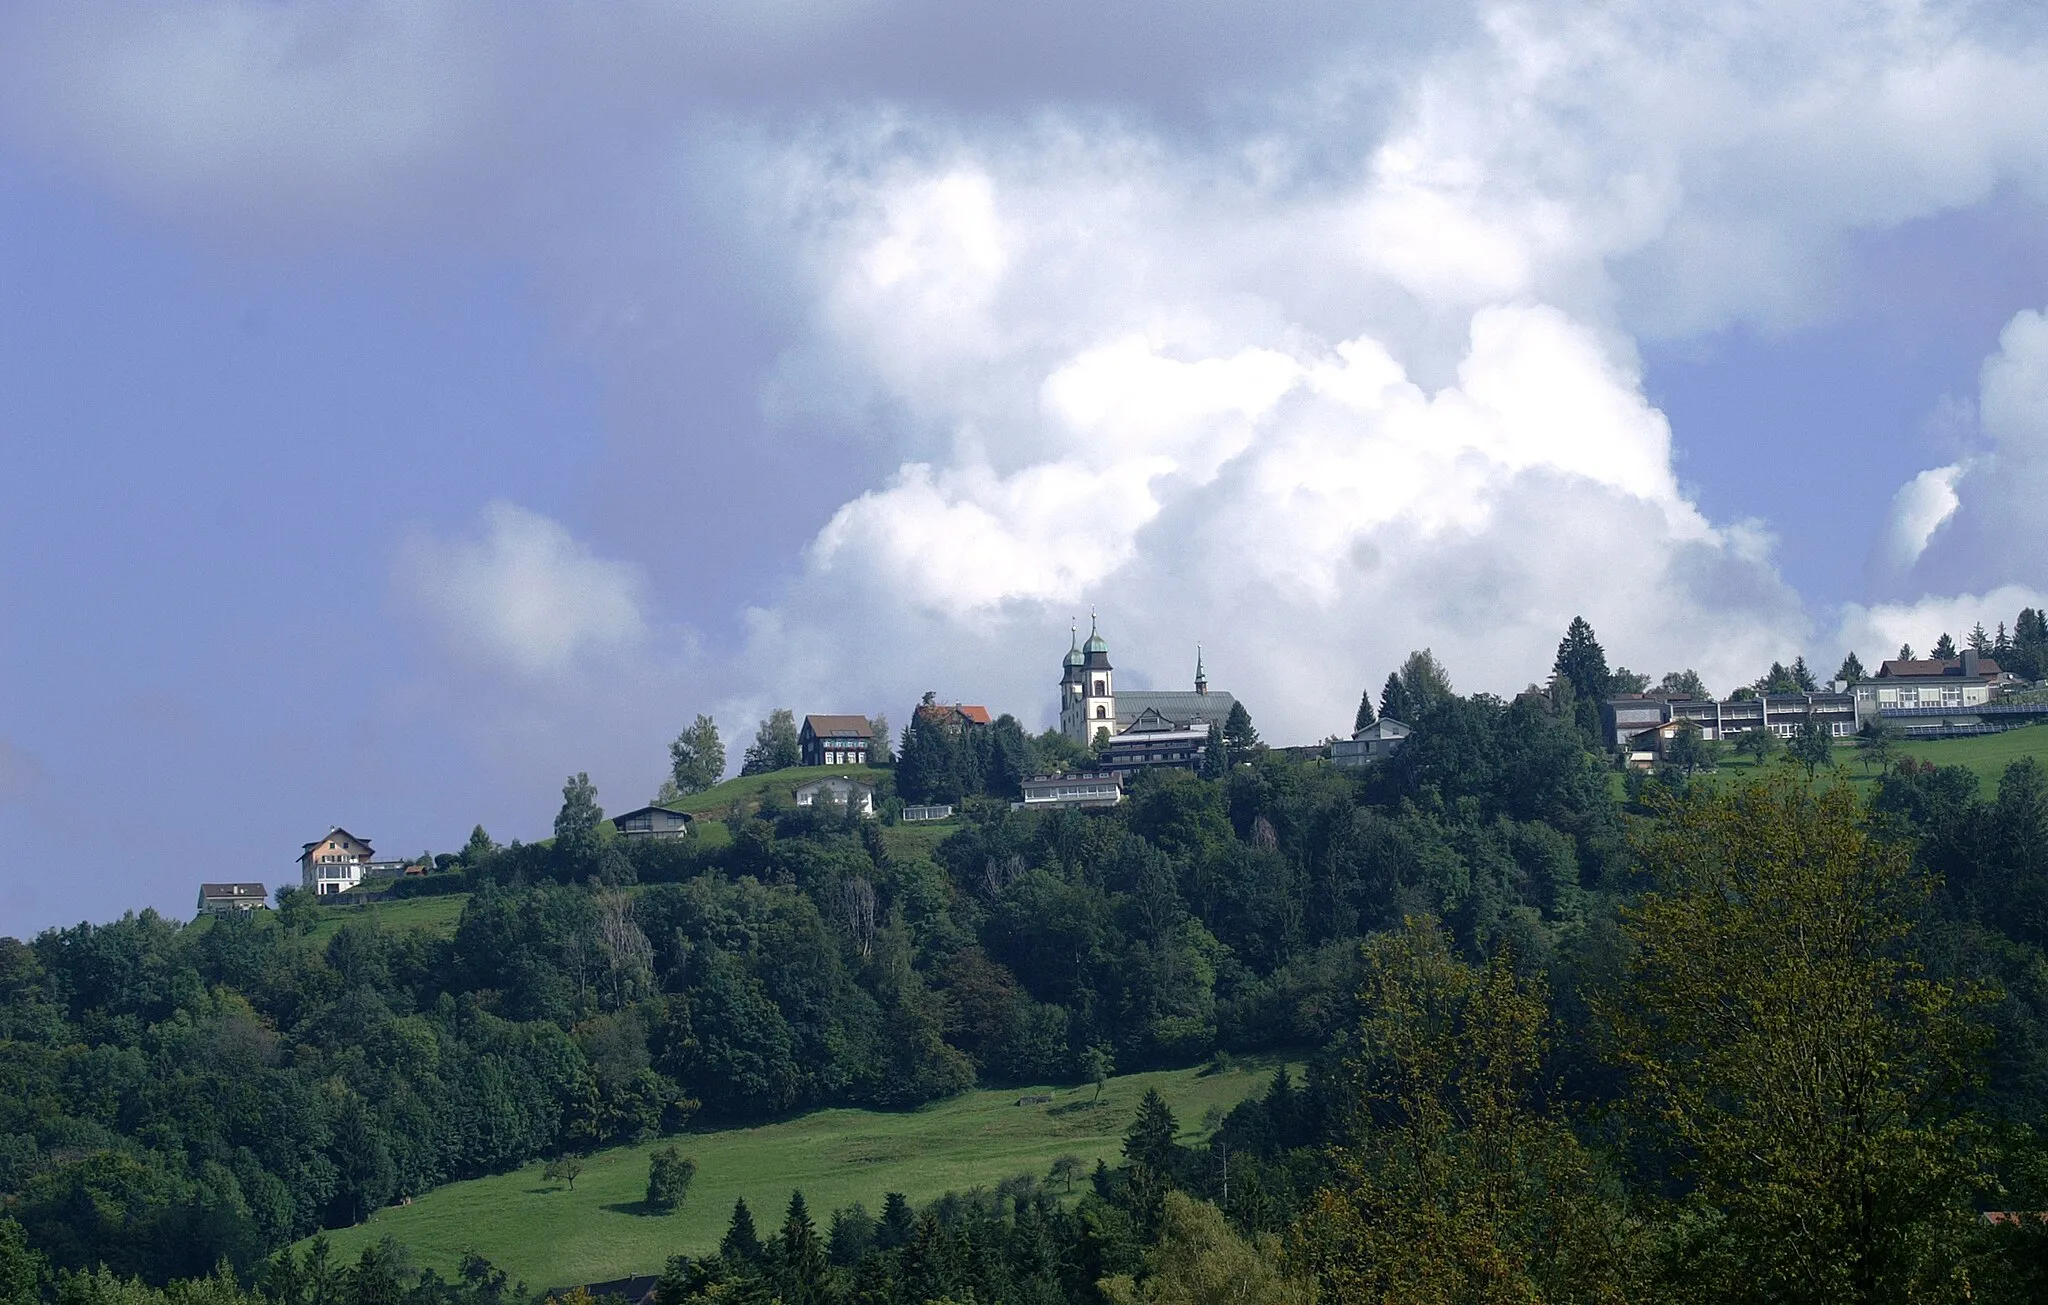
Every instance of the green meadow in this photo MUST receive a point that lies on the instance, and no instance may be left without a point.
(549, 1236)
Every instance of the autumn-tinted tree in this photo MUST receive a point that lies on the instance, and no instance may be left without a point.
(1787, 1044)
(1452, 1184)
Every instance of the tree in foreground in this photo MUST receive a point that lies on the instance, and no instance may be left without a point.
(1756, 744)
(1784, 1039)
(1199, 1260)
(669, 1173)
(775, 745)
(1452, 1184)
(696, 760)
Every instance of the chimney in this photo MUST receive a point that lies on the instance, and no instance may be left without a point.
(1969, 663)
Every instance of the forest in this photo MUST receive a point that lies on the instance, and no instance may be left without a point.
(1728, 1039)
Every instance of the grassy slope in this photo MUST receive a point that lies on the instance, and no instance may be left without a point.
(549, 1236)
(1986, 756)
(717, 801)
(436, 913)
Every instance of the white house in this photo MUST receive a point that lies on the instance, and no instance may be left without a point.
(1376, 742)
(335, 863)
(837, 789)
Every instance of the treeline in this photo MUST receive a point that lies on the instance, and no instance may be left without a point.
(1505, 968)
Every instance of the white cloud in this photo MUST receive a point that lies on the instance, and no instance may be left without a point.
(1922, 506)
(1877, 631)
(1984, 526)
(527, 594)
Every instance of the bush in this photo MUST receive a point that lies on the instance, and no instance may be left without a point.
(668, 1179)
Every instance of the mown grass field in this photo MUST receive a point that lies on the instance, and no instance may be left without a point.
(436, 913)
(1985, 756)
(714, 802)
(549, 1236)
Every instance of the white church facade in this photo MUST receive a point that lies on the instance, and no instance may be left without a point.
(1090, 704)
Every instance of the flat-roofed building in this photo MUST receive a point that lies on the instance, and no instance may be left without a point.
(1045, 792)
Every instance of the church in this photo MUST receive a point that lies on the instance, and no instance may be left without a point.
(1090, 703)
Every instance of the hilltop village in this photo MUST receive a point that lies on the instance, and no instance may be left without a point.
(1107, 736)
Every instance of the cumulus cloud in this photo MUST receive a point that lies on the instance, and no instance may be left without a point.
(1979, 521)
(526, 595)
(1348, 370)
(1876, 631)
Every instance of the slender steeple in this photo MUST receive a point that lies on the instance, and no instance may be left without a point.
(1201, 680)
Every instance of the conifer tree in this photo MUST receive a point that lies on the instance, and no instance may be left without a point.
(741, 1243)
(1978, 641)
(1394, 700)
(1364, 717)
(1944, 648)
(1802, 678)
(1906, 653)
(1238, 733)
(1215, 754)
(1851, 670)
(800, 1256)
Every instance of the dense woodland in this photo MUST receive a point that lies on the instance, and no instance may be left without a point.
(1724, 1039)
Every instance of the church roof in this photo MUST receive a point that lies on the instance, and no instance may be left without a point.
(1181, 707)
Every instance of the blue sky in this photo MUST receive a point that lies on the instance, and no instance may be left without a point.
(404, 406)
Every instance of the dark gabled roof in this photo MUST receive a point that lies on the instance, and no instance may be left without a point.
(839, 727)
(233, 890)
(1928, 668)
(641, 811)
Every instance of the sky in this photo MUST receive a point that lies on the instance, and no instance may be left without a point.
(404, 406)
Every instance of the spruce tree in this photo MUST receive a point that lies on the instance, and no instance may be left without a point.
(1215, 754)
(1906, 653)
(1978, 641)
(1944, 648)
(741, 1243)
(1238, 733)
(1582, 661)
(1364, 717)
(801, 1263)
(1802, 677)
(1394, 700)
(897, 1225)
(1851, 670)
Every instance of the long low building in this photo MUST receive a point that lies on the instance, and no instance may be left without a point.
(1782, 714)
(1046, 792)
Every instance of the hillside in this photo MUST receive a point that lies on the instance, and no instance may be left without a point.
(548, 1235)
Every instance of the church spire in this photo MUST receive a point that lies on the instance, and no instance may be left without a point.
(1201, 680)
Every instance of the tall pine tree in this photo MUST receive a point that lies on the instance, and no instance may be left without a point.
(1364, 717)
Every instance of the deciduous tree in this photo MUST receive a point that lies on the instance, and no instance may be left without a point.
(1786, 1042)
(696, 759)
(775, 744)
